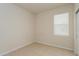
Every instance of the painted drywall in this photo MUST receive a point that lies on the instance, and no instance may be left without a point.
(76, 34)
(76, 6)
(16, 27)
(44, 28)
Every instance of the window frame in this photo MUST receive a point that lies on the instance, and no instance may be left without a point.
(67, 30)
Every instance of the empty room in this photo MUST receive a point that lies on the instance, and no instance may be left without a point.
(39, 29)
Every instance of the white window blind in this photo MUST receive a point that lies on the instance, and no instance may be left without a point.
(61, 24)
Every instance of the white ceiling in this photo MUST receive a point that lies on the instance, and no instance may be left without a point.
(39, 7)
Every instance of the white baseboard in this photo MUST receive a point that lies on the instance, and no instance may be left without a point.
(55, 45)
(4, 53)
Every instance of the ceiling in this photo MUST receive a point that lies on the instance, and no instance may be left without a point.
(39, 7)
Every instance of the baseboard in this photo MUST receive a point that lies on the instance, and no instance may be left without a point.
(4, 53)
(54, 45)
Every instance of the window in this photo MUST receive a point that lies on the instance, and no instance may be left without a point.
(61, 24)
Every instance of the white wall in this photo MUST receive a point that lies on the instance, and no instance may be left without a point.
(44, 28)
(16, 27)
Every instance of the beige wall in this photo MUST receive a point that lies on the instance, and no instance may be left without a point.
(44, 28)
(76, 6)
(16, 27)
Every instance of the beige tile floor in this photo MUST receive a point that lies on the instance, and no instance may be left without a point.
(37, 49)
